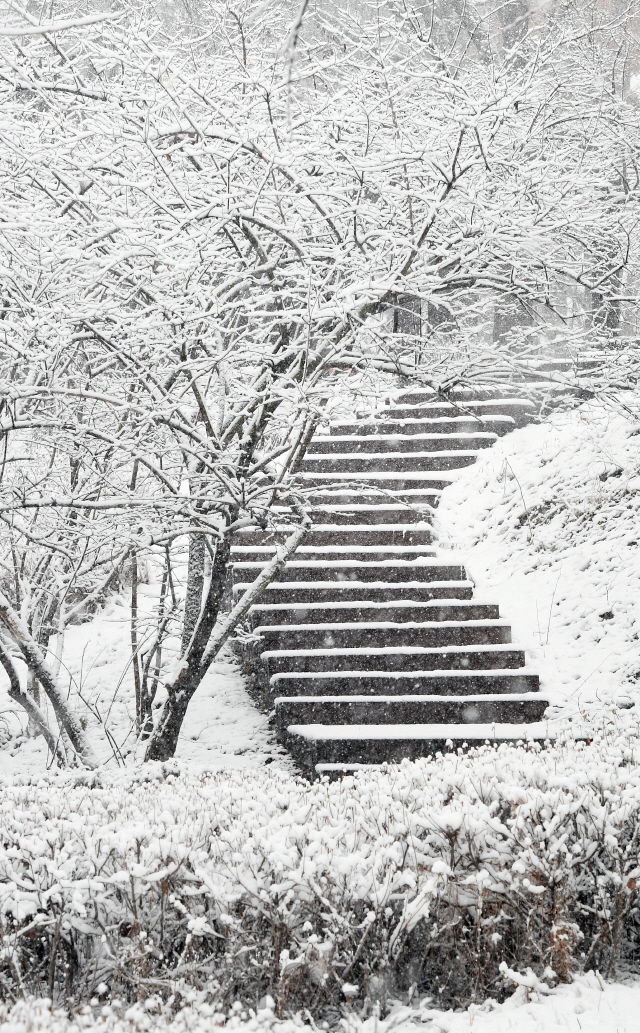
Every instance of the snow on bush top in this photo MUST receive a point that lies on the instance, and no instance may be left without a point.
(401, 830)
(248, 883)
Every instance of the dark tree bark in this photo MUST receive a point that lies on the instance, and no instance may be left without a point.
(195, 586)
(407, 315)
(202, 652)
(164, 739)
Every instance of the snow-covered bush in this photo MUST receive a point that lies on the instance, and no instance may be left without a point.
(431, 878)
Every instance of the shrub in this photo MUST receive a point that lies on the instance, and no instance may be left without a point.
(428, 878)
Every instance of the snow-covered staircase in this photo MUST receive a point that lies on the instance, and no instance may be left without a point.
(372, 646)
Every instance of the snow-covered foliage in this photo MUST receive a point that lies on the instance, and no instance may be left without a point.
(548, 523)
(439, 877)
(588, 1005)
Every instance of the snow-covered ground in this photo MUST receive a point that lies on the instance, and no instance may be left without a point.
(589, 1005)
(223, 728)
(548, 524)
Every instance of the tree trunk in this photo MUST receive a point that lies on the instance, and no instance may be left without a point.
(407, 315)
(36, 717)
(164, 741)
(35, 662)
(195, 585)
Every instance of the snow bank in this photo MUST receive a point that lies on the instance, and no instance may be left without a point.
(442, 875)
(548, 523)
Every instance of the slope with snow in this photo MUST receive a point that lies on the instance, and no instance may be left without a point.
(548, 524)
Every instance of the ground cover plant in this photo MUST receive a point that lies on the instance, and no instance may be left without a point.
(439, 878)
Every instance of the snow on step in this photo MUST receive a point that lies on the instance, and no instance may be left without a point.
(387, 653)
(535, 730)
(381, 444)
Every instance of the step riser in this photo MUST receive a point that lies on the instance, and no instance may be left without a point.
(363, 638)
(347, 536)
(411, 572)
(482, 659)
(390, 482)
(399, 712)
(264, 615)
(334, 465)
(403, 685)
(401, 444)
(331, 554)
(413, 501)
(367, 751)
(344, 592)
(520, 415)
(416, 427)
(375, 514)
(503, 395)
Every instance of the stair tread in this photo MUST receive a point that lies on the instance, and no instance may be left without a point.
(496, 672)
(503, 647)
(489, 697)
(490, 622)
(499, 730)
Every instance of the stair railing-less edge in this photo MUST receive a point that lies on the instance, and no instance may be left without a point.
(372, 647)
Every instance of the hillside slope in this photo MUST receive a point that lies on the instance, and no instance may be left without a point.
(548, 524)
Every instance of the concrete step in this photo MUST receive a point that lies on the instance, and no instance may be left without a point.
(345, 534)
(415, 499)
(413, 709)
(356, 635)
(382, 513)
(399, 443)
(317, 746)
(384, 426)
(479, 393)
(397, 483)
(393, 658)
(399, 683)
(366, 464)
(389, 571)
(519, 409)
(369, 612)
(354, 591)
(319, 553)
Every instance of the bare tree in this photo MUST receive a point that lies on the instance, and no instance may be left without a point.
(200, 235)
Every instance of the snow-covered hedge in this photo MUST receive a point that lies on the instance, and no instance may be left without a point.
(434, 878)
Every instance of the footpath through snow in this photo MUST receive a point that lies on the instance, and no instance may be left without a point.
(547, 523)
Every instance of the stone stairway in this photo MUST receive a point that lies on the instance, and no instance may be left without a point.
(372, 647)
